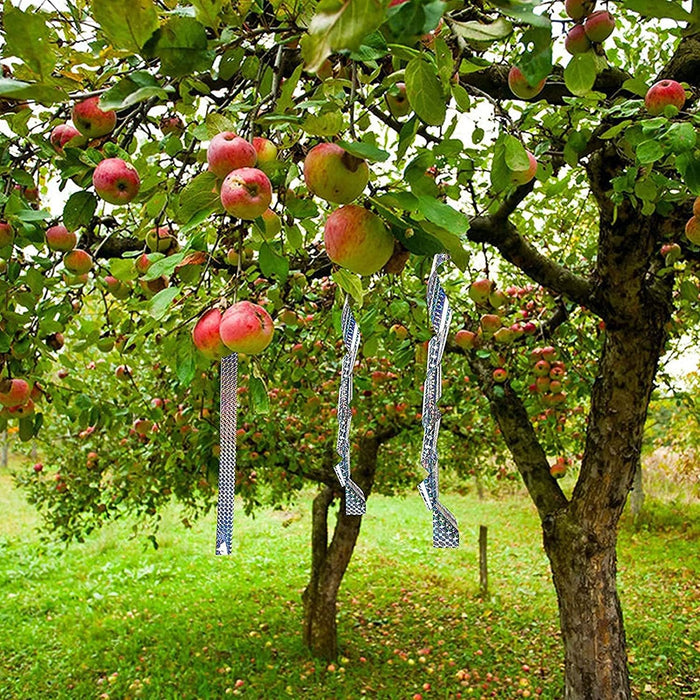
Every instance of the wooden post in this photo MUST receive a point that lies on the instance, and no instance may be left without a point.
(483, 563)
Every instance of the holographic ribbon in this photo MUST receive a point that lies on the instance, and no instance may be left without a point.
(228, 414)
(445, 532)
(355, 502)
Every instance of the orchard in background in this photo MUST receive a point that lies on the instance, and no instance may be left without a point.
(161, 175)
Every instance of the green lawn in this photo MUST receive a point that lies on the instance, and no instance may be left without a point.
(113, 618)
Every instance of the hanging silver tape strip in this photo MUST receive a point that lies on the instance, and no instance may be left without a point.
(355, 502)
(445, 532)
(228, 414)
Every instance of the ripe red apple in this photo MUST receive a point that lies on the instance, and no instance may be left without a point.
(228, 152)
(558, 469)
(500, 375)
(55, 341)
(7, 235)
(246, 193)
(63, 134)
(246, 327)
(520, 87)
(78, 261)
(357, 239)
(692, 230)
(116, 181)
(576, 40)
(266, 152)
(90, 120)
(549, 353)
(205, 335)
(480, 290)
(662, 94)
(160, 239)
(142, 263)
(542, 368)
(333, 174)
(599, 26)
(578, 9)
(14, 392)
(397, 101)
(522, 177)
(38, 467)
(59, 238)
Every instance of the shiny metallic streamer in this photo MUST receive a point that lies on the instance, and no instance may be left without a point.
(445, 532)
(228, 414)
(355, 501)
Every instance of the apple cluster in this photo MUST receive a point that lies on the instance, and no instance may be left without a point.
(549, 375)
(692, 228)
(591, 26)
(17, 397)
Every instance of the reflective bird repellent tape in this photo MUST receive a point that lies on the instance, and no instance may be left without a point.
(445, 532)
(228, 413)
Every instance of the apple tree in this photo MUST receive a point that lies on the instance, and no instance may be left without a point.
(163, 160)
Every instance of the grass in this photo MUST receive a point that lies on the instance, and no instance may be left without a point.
(112, 618)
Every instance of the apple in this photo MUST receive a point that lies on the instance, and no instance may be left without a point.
(55, 341)
(549, 353)
(171, 124)
(542, 384)
(59, 238)
(662, 94)
(7, 235)
(205, 335)
(246, 327)
(490, 323)
(558, 469)
(142, 426)
(542, 368)
(160, 239)
(555, 386)
(78, 261)
(599, 26)
(142, 263)
(397, 101)
(90, 120)
(500, 375)
(14, 392)
(116, 181)
(497, 299)
(522, 177)
(333, 174)
(576, 40)
(578, 9)
(266, 152)
(520, 87)
(692, 230)
(227, 152)
(122, 372)
(465, 339)
(61, 135)
(671, 252)
(557, 373)
(272, 224)
(117, 288)
(23, 410)
(246, 193)
(504, 336)
(696, 207)
(401, 332)
(480, 291)
(357, 240)
(38, 467)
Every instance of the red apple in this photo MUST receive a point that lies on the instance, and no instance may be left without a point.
(692, 230)
(522, 177)
(266, 152)
(171, 124)
(7, 235)
(142, 263)
(490, 323)
(333, 174)
(122, 372)
(558, 469)
(576, 40)
(520, 87)
(160, 240)
(246, 327)
(229, 152)
(90, 120)
(578, 9)
(671, 252)
(500, 375)
(116, 181)
(38, 467)
(358, 240)
(542, 368)
(78, 261)
(480, 290)
(205, 335)
(59, 238)
(246, 193)
(14, 392)
(549, 353)
(465, 339)
(662, 94)
(599, 26)
(22, 411)
(63, 134)
(55, 341)
(397, 101)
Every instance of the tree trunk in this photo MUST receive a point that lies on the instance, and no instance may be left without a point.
(329, 562)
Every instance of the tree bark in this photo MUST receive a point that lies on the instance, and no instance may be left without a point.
(329, 562)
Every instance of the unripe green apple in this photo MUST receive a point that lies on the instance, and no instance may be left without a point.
(160, 239)
(504, 336)
(490, 323)
(578, 9)
(333, 174)
(246, 327)
(401, 332)
(520, 87)
(358, 240)
(696, 207)
(272, 224)
(397, 100)
(266, 152)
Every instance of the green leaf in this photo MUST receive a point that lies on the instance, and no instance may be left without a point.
(365, 150)
(135, 88)
(515, 154)
(689, 291)
(123, 270)
(649, 151)
(461, 98)
(477, 31)
(19, 90)
(198, 197)
(443, 215)
(259, 398)
(325, 124)
(580, 73)
(182, 47)
(451, 244)
(523, 10)
(272, 264)
(424, 91)
(164, 266)
(337, 25)
(689, 167)
(682, 137)
(128, 24)
(79, 210)
(159, 304)
(350, 283)
(658, 9)
(28, 36)
(208, 12)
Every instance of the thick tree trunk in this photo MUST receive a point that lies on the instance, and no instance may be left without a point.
(329, 562)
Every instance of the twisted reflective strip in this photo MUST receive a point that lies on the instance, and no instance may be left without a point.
(228, 411)
(355, 502)
(445, 532)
